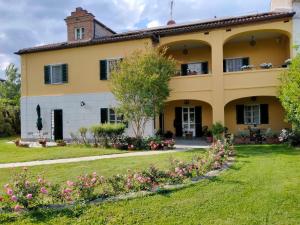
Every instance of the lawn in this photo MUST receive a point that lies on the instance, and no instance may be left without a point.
(263, 187)
(10, 153)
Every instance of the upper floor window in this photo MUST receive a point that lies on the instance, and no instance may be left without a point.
(107, 66)
(194, 68)
(56, 74)
(235, 64)
(79, 33)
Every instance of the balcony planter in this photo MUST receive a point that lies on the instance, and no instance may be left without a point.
(247, 67)
(266, 66)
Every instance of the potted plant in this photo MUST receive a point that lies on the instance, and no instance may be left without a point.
(242, 137)
(209, 136)
(247, 67)
(271, 137)
(42, 141)
(266, 65)
(217, 131)
(61, 143)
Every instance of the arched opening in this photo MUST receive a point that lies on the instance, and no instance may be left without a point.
(262, 49)
(185, 118)
(264, 112)
(193, 57)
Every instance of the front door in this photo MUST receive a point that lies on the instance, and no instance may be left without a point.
(57, 124)
(188, 121)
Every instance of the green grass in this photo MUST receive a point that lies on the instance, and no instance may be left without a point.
(263, 187)
(10, 153)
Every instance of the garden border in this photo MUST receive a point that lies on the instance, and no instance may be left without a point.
(167, 187)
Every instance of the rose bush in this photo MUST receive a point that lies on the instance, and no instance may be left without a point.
(26, 191)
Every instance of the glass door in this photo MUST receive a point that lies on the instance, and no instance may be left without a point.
(188, 121)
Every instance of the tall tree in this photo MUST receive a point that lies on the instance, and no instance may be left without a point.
(289, 92)
(10, 89)
(140, 85)
(10, 102)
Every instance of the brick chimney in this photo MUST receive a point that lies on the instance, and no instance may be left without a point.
(80, 25)
(281, 5)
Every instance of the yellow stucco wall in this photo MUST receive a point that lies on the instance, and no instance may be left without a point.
(276, 114)
(216, 89)
(83, 68)
(265, 51)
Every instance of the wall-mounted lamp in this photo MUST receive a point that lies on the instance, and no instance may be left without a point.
(252, 41)
(185, 51)
(253, 99)
(82, 103)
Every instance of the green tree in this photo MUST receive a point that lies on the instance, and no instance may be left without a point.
(10, 89)
(140, 85)
(289, 92)
(10, 102)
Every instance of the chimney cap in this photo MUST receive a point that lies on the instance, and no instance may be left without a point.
(171, 22)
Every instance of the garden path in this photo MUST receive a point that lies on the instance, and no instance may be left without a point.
(179, 148)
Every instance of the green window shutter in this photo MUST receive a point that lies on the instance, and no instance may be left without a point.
(205, 68)
(264, 114)
(47, 75)
(103, 69)
(224, 66)
(65, 73)
(240, 114)
(104, 115)
(245, 61)
(184, 69)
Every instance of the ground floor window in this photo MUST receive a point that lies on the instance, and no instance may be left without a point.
(108, 115)
(252, 114)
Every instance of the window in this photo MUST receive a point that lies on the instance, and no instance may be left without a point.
(108, 115)
(79, 33)
(194, 68)
(233, 65)
(113, 118)
(56, 74)
(252, 114)
(107, 66)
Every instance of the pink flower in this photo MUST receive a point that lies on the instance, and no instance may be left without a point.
(14, 198)
(70, 183)
(40, 180)
(93, 180)
(9, 191)
(29, 196)
(17, 208)
(44, 190)
(94, 174)
(67, 190)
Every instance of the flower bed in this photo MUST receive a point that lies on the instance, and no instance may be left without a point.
(28, 192)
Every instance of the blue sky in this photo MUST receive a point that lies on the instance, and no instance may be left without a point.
(27, 23)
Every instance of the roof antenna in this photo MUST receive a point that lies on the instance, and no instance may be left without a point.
(171, 21)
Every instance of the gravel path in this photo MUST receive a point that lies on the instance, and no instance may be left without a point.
(92, 158)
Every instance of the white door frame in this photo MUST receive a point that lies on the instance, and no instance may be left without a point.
(189, 125)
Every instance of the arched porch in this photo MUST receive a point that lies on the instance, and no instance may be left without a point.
(185, 118)
(265, 112)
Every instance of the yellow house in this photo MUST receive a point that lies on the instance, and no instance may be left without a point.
(228, 71)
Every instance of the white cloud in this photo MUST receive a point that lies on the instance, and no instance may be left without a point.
(26, 23)
(153, 23)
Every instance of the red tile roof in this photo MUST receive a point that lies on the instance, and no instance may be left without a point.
(165, 31)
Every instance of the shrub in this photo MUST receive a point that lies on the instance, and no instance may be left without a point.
(107, 134)
(83, 132)
(25, 192)
(217, 130)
